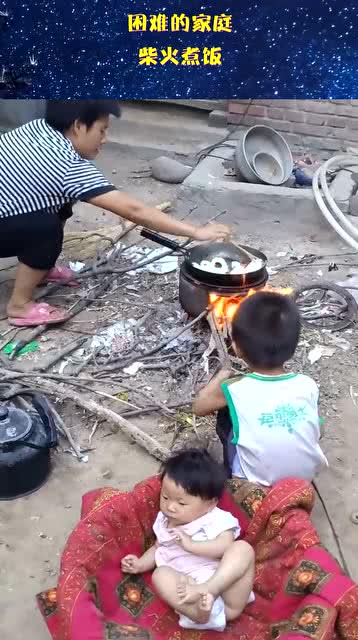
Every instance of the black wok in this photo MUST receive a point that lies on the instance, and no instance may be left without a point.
(210, 250)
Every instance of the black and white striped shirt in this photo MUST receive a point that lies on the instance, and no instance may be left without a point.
(41, 170)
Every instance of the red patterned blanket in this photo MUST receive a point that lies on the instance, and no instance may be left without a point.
(301, 592)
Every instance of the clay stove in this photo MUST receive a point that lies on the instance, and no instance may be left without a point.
(195, 295)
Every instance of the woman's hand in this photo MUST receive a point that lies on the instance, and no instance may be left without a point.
(212, 232)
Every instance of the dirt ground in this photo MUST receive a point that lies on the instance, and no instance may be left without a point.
(33, 530)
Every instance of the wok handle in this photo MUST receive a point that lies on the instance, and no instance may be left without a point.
(159, 239)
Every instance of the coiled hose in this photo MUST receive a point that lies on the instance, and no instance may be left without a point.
(340, 223)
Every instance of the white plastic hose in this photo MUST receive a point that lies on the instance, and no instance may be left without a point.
(340, 223)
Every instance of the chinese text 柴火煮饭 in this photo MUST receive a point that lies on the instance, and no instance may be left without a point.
(190, 56)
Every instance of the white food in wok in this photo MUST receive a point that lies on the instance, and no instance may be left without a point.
(220, 265)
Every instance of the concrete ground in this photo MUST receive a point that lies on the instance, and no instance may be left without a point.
(33, 530)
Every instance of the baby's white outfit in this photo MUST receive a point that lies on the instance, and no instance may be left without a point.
(171, 554)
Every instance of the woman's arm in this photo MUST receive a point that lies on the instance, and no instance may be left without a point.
(127, 207)
(211, 397)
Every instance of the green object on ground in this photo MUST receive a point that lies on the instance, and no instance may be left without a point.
(29, 348)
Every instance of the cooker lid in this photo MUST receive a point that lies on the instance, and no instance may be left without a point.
(15, 424)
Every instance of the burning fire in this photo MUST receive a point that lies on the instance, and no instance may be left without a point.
(224, 308)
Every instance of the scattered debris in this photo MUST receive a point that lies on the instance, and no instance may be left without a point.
(320, 351)
(11, 347)
(304, 170)
(77, 266)
(133, 369)
(117, 338)
(167, 264)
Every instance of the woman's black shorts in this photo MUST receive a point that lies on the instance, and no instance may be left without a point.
(35, 238)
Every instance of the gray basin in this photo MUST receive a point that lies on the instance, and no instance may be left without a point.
(268, 168)
(263, 140)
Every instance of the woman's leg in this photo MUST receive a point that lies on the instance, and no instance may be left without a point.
(26, 281)
(36, 239)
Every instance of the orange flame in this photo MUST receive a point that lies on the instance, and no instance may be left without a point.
(224, 308)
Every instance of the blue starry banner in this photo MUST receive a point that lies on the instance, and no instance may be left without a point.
(147, 49)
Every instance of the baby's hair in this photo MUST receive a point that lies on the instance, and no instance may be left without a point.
(196, 472)
(266, 329)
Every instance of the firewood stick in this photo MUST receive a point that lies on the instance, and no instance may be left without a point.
(69, 348)
(62, 427)
(147, 442)
(219, 342)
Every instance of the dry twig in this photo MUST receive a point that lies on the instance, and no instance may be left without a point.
(147, 442)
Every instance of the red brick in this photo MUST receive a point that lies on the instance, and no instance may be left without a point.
(312, 130)
(279, 125)
(345, 134)
(314, 118)
(346, 110)
(237, 107)
(276, 114)
(231, 102)
(265, 103)
(309, 142)
(285, 104)
(252, 109)
(294, 116)
(352, 123)
(337, 121)
(237, 119)
(318, 106)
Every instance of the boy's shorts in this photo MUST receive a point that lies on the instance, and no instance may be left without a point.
(225, 432)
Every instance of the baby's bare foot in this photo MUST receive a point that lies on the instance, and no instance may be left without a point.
(182, 584)
(189, 592)
(204, 607)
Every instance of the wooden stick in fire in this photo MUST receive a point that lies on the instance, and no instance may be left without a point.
(219, 341)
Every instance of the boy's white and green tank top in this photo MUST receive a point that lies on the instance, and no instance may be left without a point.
(276, 426)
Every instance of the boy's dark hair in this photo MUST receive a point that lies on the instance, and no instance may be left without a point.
(266, 329)
(61, 114)
(197, 472)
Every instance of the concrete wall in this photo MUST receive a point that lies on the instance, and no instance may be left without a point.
(324, 124)
(14, 113)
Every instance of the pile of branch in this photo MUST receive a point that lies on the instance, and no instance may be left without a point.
(42, 380)
(84, 245)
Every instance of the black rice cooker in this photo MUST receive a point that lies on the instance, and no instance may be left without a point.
(26, 440)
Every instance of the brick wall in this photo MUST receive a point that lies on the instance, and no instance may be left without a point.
(331, 125)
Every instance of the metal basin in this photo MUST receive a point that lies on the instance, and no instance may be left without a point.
(268, 168)
(262, 140)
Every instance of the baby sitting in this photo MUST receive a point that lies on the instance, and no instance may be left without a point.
(201, 570)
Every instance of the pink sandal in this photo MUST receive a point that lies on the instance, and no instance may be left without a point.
(40, 313)
(61, 274)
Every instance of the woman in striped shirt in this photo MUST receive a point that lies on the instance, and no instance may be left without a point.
(46, 167)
